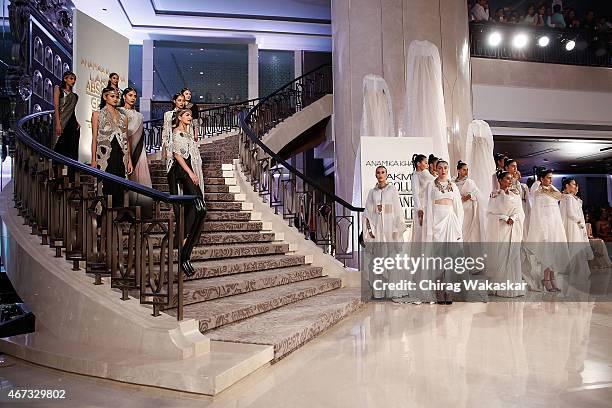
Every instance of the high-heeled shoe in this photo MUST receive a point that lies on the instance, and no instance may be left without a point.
(552, 289)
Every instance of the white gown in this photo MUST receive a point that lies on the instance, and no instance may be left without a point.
(546, 239)
(472, 228)
(578, 242)
(443, 223)
(419, 181)
(387, 224)
(504, 262)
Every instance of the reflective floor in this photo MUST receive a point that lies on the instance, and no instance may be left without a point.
(389, 355)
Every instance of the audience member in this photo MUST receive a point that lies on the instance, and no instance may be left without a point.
(499, 16)
(542, 17)
(531, 18)
(589, 22)
(480, 11)
(570, 16)
(557, 20)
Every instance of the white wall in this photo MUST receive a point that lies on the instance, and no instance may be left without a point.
(521, 104)
(97, 52)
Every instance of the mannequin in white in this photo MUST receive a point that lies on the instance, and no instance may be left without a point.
(469, 197)
(505, 229)
(575, 230)
(376, 121)
(479, 150)
(420, 178)
(424, 114)
(546, 238)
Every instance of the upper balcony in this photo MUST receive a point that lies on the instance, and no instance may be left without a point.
(540, 44)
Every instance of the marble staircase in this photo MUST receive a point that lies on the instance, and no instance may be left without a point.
(251, 285)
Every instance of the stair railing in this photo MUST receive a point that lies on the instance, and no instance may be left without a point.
(320, 215)
(140, 249)
(211, 121)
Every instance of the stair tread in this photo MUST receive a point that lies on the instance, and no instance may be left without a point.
(288, 327)
(220, 267)
(221, 311)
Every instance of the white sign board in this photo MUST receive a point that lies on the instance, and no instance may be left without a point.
(395, 153)
(97, 52)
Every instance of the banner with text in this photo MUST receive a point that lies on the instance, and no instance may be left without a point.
(97, 52)
(395, 153)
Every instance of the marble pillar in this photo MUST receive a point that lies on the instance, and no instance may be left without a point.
(147, 79)
(297, 63)
(253, 71)
(372, 37)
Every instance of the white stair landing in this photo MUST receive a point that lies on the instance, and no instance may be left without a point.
(209, 374)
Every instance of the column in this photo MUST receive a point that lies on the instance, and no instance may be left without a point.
(147, 79)
(297, 60)
(373, 38)
(253, 71)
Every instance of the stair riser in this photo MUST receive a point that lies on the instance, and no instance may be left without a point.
(215, 226)
(231, 268)
(310, 332)
(215, 292)
(215, 216)
(208, 253)
(252, 310)
(229, 238)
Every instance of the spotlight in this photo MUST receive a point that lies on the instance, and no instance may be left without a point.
(495, 38)
(570, 44)
(520, 40)
(543, 41)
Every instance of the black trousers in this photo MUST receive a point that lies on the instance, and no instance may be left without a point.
(68, 142)
(178, 176)
(115, 166)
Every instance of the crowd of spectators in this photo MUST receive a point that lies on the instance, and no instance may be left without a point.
(548, 13)
(601, 223)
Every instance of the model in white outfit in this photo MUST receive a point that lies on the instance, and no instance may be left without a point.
(383, 220)
(383, 214)
(546, 238)
(419, 180)
(443, 224)
(472, 228)
(500, 165)
(505, 232)
(578, 242)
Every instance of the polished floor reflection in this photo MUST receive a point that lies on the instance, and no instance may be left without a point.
(389, 355)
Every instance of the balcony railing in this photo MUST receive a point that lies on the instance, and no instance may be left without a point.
(589, 48)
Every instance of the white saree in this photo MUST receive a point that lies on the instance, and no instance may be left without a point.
(504, 261)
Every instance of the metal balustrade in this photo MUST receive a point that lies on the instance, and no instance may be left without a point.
(137, 251)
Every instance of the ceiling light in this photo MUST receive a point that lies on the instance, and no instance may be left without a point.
(543, 41)
(201, 73)
(201, 49)
(520, 40)
(495, 38)
(201, 97)
(570, 45)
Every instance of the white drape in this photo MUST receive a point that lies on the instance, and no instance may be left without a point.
(383, 212)
(424, 114)
(376, 120)
(479, 149)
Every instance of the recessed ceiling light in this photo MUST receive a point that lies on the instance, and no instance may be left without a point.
(201, 73)
(201, 97)
(201, 49)
(218, 84)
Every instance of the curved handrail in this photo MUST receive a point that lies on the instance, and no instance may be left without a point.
(86, 169)
(210, 108)
(245, 125)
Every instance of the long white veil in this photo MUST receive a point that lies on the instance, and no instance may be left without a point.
(479, 157)
(424, 114)
(376, 120)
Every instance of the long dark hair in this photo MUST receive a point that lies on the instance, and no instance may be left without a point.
(432, 159)
(460, 164)
(175, 97)
(497, 157)
(537, 170)
(66, 74)
(508, 161)
(543, 172)
(104, 92)
(416, 159)
(183, 93)
(500, 174)
(566, 181)
(125, 92)
(109, 85)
